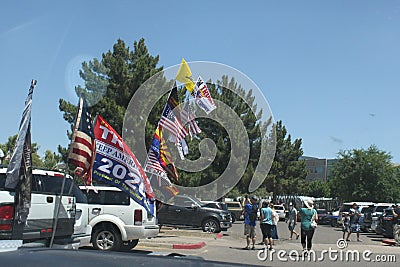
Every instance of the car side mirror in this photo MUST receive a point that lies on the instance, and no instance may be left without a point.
(194, 206)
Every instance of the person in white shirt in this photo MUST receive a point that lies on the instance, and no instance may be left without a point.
(275, 220)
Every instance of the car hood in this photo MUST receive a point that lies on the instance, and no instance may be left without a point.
(215, 210)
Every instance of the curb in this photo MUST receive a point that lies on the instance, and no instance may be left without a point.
(189, 246)
(219, 235)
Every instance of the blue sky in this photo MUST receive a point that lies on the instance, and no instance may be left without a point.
(329, 69)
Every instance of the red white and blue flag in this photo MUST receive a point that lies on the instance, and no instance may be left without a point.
(115, 164)
(82, 145)
(202, 96)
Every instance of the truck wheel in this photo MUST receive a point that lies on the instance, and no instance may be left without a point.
(211, 226)
(127, 246)
(233, 218)
(106, 239)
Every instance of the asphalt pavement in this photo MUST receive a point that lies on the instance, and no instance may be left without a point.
(228, 247)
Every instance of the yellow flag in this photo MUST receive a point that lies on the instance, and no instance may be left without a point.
(184, 75)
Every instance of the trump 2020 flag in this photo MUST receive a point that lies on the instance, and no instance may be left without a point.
(115, 164)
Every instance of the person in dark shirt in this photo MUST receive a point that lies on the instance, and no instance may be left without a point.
(250, 222)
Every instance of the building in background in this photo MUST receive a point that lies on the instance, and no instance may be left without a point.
(318, 169)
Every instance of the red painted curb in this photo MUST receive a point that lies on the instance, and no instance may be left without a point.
(219, 235)
(389, 241)
(189, 246)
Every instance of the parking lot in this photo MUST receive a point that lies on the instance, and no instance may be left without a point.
(228, 247)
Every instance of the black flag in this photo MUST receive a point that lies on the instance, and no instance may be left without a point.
(19, 171)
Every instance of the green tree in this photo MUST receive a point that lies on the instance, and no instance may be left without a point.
(365, 175)
(50, 160)
(8, 149)
(288, 172)
(110, 83)
(316, 188)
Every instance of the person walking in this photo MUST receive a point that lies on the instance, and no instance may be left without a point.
(308, 217)
(292, 221)
(354, 214)
(264, 204)
(345, 224)
(275, 220)
(250, 218)
(266, 225)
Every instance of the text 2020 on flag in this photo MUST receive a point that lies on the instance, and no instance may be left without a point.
(115, 164)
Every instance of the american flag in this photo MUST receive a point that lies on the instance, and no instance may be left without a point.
(172, 124)
(153, 166)
(189, 120)
(81, 150)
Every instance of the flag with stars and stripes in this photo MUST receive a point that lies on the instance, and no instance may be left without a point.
(188, 120)
(171, 123)
(82, 146)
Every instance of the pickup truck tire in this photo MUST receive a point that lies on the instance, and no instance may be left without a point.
(106, 238)
(211, 225)
(233, 218)
(127, 246)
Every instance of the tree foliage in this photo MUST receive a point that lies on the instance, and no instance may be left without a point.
(365, 175)
(117, 76)
(316, 188)
(49, 161)
(110, 84)
(288, 172)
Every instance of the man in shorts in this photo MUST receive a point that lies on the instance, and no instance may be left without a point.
(250, 218)
(354, 215)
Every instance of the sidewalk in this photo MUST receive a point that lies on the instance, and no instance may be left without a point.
(171, 238)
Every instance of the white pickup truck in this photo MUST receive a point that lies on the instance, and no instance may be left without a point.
(46, 188)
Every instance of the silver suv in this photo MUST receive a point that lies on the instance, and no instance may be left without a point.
(118, 222)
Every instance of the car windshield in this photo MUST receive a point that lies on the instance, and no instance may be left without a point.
(320, 211)
(381, 208)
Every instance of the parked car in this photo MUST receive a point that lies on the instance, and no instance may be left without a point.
(323, 216)
(372, 214)
(188, 211)
(215, 205)
(362, 206)
(385, 224)
(280, 209)
(236, 209)
(333, 217)
(72, 227)
(118, 222)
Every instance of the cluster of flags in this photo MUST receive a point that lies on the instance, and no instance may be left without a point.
(97, 151)
(178, 123)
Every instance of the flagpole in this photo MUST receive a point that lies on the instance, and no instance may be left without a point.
(58, 207)
(65, 175)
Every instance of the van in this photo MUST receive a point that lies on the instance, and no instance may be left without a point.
(117, 221)
(46, 187)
